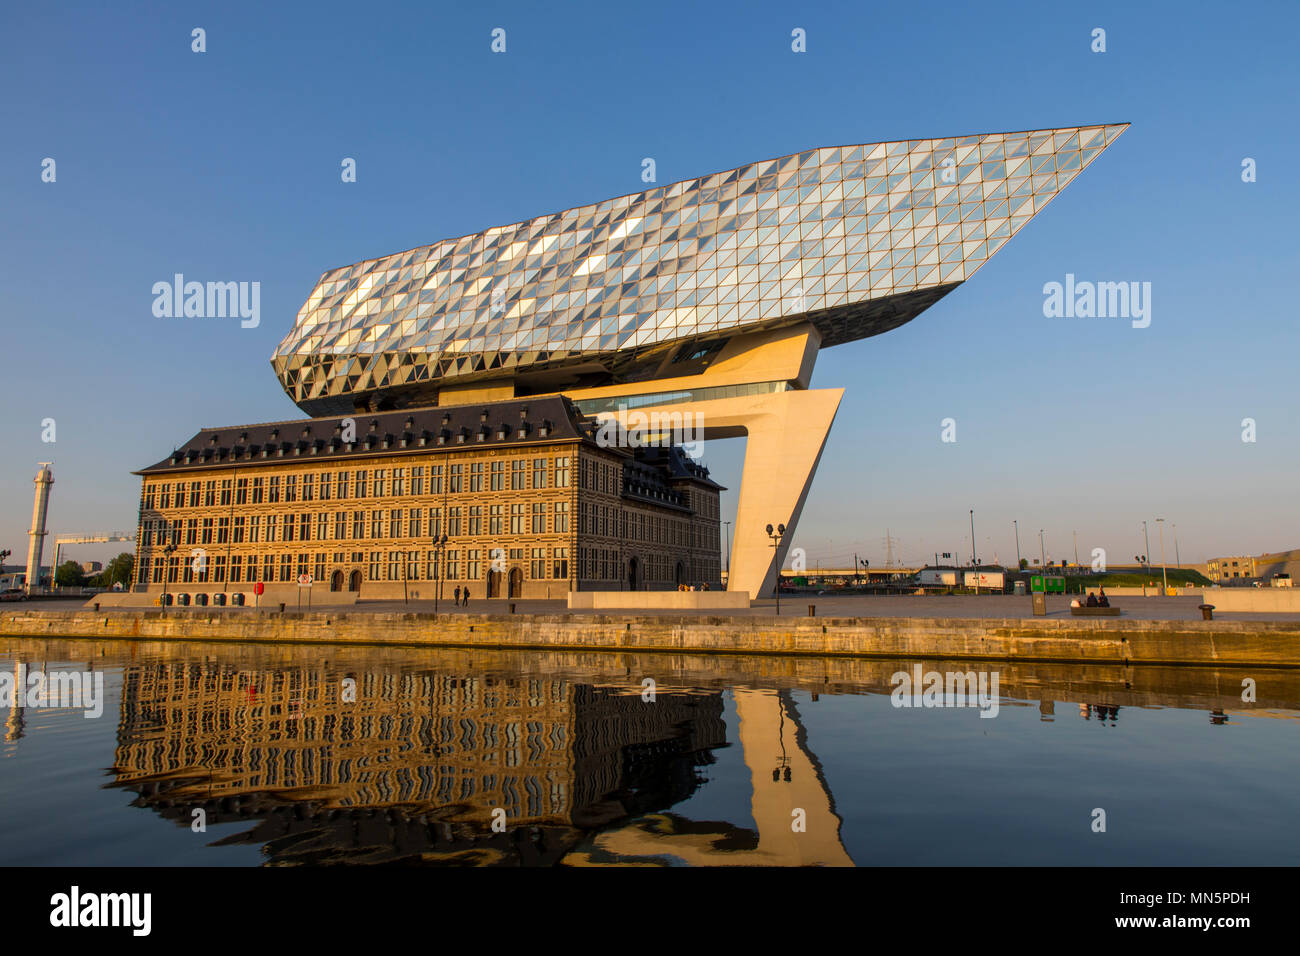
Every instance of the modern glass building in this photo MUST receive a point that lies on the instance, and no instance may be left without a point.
(708, 298)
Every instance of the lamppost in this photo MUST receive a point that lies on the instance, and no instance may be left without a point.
(1164, 567)
(776, 537)
(1042, 552)
(1178, 562)
(728, 525)
(1141, 559)
(974, 562)
(167, 568)
(1147, 540)
(1016, 523)
(866, 565)
(440, 548)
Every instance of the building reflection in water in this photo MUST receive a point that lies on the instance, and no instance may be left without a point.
(413, 768)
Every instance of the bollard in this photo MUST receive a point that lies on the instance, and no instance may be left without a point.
(1207, 612)
(812, 610)
(96, 605)
(281, 607)
(512, 607)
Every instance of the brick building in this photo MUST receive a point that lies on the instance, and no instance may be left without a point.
(531, 498)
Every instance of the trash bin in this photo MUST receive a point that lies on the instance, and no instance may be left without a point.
(1207, 612)
(812, 610)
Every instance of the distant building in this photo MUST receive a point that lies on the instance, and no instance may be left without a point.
(92, 567)
(1261, 567)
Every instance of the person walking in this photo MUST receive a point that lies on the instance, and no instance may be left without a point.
(458, 595)
(466, 596)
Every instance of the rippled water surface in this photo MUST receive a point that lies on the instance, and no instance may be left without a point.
(240, 755)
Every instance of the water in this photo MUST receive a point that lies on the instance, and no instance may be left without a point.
(242, 755)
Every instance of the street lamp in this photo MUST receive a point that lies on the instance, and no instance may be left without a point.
(440, 547)
(776, 537)
(167, 569)
(728, 525)
(1164, 566)
(1042, 551)
(1016, 523)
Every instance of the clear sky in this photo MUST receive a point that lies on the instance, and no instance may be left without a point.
(225, 165)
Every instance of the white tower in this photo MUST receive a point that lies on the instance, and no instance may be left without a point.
(44, 480)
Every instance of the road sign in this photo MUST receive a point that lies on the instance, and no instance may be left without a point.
(259, 588)
(305, 580)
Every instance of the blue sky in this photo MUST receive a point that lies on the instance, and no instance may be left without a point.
(225, 165)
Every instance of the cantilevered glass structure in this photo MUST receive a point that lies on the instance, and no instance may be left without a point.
(710, 295)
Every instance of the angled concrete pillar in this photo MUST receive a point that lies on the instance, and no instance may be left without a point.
(785, 433)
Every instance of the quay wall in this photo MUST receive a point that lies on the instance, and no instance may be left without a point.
(1078, 640)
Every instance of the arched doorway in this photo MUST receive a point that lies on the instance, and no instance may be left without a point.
(679, 574)
(354, 581)
(336, 581)
(494, 584)
(516, 582)
(632, 569)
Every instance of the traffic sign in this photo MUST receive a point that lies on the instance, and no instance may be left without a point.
(305, 580)
(259, 588)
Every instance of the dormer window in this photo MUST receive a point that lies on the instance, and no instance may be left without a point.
(374, 424)
(502, 432)
(410, 423)
(483, 416)
(212, 440)
(275, 433)
(306, 433)
(446, 418)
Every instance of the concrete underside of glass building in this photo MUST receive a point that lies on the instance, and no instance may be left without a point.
(686, 313)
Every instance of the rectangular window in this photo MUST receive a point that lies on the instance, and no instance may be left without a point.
(308, 487)
(225, 493)
(517, 474)
(342, 484)
(475, 521)
(539, 472)
(223, 531)
(476, 477)
(395, 523)
(286, 568)
(286, 527)
(417, 481)
(322, 526)
(435, 480)
(393, 573)
(236, 567)
(560, 564)
(273, 489)
(561, 517)
(304, 527)
(290, 488)
(472, 568)
(498, 475)
(319, 572)
(241, 492)
(254, 528)
(517, 519)
(191, 531)
(358, 525)
(413, 522)
(538, 564)
(539, 517)
(431, 564)
(374, 566)
(453, 565)
(377, 484)
(195, 494)
(257, 491)
(435, 522)
(399, 481)
(453, 522)
(454, 479)
(495, 526)
(268, 567)
(325, 487)
(340, 525)
(219, 568)
(359, 486)
(209, 494)
(562, 472)
(376, 523)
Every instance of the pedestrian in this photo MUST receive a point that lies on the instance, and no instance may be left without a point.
(458, 595)
(466, 595)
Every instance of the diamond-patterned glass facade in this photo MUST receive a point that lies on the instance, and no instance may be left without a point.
(855, 239)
